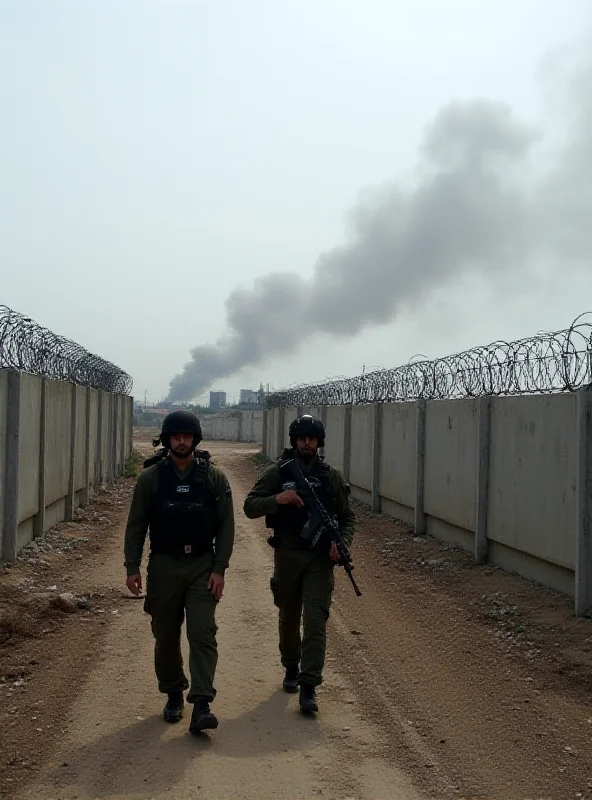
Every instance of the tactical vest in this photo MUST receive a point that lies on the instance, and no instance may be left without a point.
(182, 513)
(290, 520)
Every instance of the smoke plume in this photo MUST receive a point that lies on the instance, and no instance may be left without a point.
(482, 203)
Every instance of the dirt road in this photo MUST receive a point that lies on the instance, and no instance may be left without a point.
(427, 693)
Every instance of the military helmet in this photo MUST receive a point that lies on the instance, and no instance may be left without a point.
(180, 421)
(307, 426)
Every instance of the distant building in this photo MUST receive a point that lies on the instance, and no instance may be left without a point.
(249, 396)
(217, 400)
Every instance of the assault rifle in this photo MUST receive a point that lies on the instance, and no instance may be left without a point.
(324, 519)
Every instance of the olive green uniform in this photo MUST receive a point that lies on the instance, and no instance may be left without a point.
(176, 587)
(303, 579)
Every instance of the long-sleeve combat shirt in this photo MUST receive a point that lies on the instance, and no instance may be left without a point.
(139, 517)
(261, 499)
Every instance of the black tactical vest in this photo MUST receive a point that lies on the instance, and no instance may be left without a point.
(182, 514)
(290, 520)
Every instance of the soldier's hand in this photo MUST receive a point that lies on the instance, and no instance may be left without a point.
(134, 583)
(289, 498)
(216, 585)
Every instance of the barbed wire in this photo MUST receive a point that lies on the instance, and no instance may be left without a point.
(559, 361)
(26, 346)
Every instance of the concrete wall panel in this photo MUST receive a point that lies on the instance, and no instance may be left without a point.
(451, 461)
(104, 445)
(58, 438)
(80, 438)
(245, 426)
(335, 431)
(362, 434)
(229, 428)
(206, 429)
(29, 446)
(25, 533)
(272, 428)
(3, 405)
(236, 426)
(273, 443)
(119, 406)
(397, 453)
(129, 418)
(314, 411)
(54, 514)
(239, 426)
(94, 411)
(533, 475)
(242, 426)
(258, 426)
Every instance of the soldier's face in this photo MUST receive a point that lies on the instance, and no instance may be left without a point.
(181, 444)
(306, 447)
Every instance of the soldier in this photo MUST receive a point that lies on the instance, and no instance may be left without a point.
(185, 503)
(303, 579)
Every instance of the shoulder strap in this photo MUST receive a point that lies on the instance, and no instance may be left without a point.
(287, 454)
(204, 474)
(290, 465)
(324, 467)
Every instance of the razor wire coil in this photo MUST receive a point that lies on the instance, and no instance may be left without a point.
(28, 347)
(550, 362)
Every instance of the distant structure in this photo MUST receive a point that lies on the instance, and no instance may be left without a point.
(217, 400)
(249, 396)
(148, 416)
(262, 394)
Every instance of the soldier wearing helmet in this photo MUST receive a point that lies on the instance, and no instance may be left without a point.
(184, 504)
(303, 578)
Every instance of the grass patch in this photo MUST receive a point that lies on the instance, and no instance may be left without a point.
(133, 464)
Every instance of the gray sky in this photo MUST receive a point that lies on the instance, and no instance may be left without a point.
(157, 156)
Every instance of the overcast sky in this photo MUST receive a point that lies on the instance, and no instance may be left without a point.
(158, 156)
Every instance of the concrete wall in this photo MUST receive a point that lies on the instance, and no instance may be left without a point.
(4, 444)
(396, 484)
(360, 475)
(93, 447)
(51, 434)
(58, 438)
(80, 442)
(233, 426)
(533, 477)
(450, 477)
(335, 434)
(30, 432)
(273, 417)
(508, 478)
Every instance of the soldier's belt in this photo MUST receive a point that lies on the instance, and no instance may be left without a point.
(185, 551)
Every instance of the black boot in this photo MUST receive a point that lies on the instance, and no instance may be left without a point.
(202, 718)
(173, 711)
(290, 683)
(308, 698)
